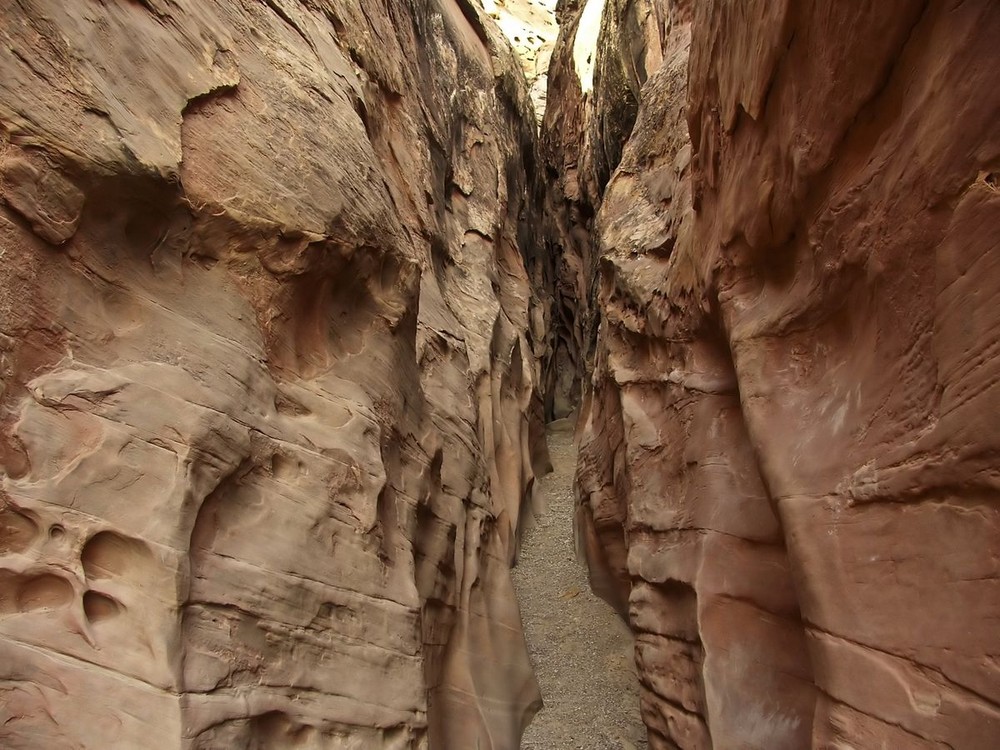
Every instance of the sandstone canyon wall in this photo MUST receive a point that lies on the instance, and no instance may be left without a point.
(530, 27)
(569, 199)
(790, 436)
(271, 350)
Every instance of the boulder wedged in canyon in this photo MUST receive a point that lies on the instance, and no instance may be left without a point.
(271, 349)
(788, 447)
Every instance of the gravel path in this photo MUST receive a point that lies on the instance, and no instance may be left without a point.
(581, 650)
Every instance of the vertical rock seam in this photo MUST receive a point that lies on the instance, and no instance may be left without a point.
(272, 331)
(787, 474)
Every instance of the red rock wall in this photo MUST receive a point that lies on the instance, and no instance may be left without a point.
(582, 134)
(569, 199)
(271, 354)
(786, 456)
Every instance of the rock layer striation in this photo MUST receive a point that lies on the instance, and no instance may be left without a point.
(788, 440)
(271, 353)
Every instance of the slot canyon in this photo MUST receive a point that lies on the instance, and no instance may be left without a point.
(498, 374)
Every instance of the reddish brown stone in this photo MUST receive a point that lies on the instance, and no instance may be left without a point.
(272, 408)
(791, 428)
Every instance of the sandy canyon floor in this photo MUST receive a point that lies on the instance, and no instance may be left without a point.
(581, 650)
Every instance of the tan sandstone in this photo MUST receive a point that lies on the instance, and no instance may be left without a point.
(271, 358)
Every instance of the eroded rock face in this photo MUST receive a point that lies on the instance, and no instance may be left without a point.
(531, 28)
(785, 454)
(271, 355)
(591, 110)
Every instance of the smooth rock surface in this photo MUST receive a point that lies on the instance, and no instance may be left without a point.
(787, 467)
(271, 354)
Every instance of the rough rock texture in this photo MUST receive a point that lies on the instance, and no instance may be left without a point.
(674, 502)
(591, 109)
(569, 200)
(531, 28)
(270, 359)
(789, 450)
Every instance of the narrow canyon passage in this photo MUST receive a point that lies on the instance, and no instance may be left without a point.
(581, 650)
(289, 291)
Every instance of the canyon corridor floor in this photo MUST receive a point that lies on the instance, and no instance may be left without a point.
(580, 648)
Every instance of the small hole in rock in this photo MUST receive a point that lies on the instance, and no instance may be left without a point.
(99, 607)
